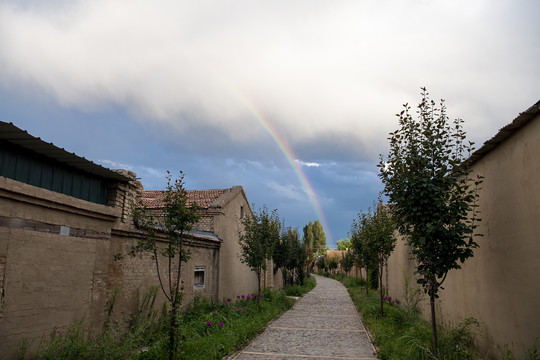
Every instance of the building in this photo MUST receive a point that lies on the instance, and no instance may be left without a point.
(222, 210)
(64, 221)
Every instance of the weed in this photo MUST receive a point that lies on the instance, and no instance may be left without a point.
(531, 353)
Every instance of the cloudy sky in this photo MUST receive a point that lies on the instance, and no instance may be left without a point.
(290, 99)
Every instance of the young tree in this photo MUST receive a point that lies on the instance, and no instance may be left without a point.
(361, 242)
(297, 258)
(322, 263)
(285, 252)
(347, 262)
(383, 241)
(257, 239)
(174, 220)
(333, 264)
(432, 195)
(304, 261)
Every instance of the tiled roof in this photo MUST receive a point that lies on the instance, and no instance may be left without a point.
(153, 199)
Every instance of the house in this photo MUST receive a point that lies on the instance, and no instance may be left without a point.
(221, 212)
(64, 221)
(500, 285)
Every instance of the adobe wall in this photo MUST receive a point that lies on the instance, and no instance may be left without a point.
(235, 278)
(57, 263)
(499, 286)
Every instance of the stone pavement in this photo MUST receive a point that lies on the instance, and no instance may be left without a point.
(322, 325)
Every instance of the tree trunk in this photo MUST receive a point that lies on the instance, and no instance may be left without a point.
(367, 281)
(172, 330)
(380, 286)
(434, 325)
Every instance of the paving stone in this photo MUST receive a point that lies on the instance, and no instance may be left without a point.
(323, 325)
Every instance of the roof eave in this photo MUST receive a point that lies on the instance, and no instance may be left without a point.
(11, 133)
(520, 121)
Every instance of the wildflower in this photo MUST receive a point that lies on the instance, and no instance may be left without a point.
(238, 296)
(209, 323)
(248, 297)
(229, 300)
(243, 297)
(221, 324)
(214, 313)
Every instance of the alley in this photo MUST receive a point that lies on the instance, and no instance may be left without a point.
(324, 324)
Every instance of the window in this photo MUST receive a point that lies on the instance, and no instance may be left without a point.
(198, 282)
(241, 212)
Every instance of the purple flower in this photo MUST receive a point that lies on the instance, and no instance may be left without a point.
(214, 313)
(248, 297)
(209, 323)
(220, 324)
(238, 296)
(243, 296)
(229, 300)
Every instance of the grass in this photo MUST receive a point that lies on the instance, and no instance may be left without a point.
(299, 290)
(403, 335)
(208, 330)
(211, 331)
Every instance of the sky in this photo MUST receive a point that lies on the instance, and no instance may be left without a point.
(293, 100)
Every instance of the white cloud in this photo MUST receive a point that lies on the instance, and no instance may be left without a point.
(308, 164)
(115, 165)
(310, 67)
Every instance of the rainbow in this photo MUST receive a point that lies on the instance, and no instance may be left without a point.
(291, 158)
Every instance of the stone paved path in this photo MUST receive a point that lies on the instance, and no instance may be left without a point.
(322, 325)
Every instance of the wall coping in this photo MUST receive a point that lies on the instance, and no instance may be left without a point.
(18, 191)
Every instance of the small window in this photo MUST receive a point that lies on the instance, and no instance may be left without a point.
(241, 212)
(198, 282)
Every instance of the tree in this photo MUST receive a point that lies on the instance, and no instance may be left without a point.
(314, 237)
(427, 179)
(303, 262)
(347, 262)
(361, 236)
(286, 253)
(257, 239)
(383, 241)
(319, 238)
(343, 244)
(174, 220)
(333, 264)
(322, 263)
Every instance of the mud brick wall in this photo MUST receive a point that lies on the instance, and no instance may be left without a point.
(58, 262)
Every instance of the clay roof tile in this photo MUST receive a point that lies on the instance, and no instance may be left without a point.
(153, 199)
